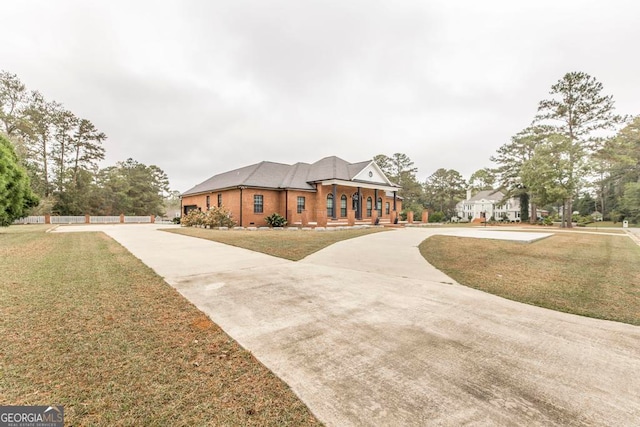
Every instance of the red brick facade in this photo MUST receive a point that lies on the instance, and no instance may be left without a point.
(285, 203)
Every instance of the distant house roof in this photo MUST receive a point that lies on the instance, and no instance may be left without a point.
(487, 195)
(299, 176)
(490, 196)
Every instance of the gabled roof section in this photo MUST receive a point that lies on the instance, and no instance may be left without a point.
(356, 168)
(371, 172)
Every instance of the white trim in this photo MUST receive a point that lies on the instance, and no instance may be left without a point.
(363, 177)
(354, 184)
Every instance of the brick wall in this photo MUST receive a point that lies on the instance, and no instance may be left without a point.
(271, 204)
(309, 202)
(281, 201)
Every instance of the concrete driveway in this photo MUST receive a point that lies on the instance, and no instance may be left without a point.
(367, 333)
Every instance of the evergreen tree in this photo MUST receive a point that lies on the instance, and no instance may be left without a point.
(16, 196)
(444, 189)
(577, 109)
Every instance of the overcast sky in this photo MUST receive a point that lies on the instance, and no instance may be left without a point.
(202, 87)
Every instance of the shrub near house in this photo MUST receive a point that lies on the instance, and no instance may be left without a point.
(214, 217)
(276, 220)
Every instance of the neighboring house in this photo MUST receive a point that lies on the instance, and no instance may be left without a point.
(487, 204)
(491, 203)
(330, 190)
(597, 216)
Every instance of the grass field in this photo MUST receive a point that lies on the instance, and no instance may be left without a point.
(292, 245)
(606, 224)
(86, 325)
(591, 275)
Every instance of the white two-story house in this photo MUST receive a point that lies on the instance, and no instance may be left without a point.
(488, 204)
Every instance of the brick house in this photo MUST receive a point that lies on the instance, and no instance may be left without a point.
(328, 192)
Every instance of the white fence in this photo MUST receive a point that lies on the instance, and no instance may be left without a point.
(104, 219)
(81, 219)
(137, 219)
(68, 219)
(30, 220)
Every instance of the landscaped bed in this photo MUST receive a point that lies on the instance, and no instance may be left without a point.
(86, 325)
(587, 274)
(292, 245)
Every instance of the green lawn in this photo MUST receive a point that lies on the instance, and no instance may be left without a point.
(586, 274)
(86, 325)
(606, 224)
(292, 245)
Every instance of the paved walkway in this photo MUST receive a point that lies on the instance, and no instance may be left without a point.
(634, 233)
(367, 333)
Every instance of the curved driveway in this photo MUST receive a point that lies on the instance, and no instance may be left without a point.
(367, 333)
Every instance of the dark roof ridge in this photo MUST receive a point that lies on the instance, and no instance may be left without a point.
(257, 166)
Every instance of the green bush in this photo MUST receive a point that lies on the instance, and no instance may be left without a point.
(276, 220)
(436, 217)
(416, 208)
(583, 221)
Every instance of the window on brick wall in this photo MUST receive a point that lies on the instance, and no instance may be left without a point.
(330, 205)
(300, 204)
(369, 206)
(387, 207)
(343, 205)
(258, 203)
(219, 200)
(379, 206)
(208, 203)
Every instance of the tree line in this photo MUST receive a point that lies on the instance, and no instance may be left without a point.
(577, 152)
(439, 193)
(60, 154)
(576, 155)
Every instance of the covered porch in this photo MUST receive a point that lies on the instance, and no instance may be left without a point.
(349, 203)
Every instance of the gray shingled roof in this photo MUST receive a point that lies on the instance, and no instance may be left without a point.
(279, 175)
(329, 168)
